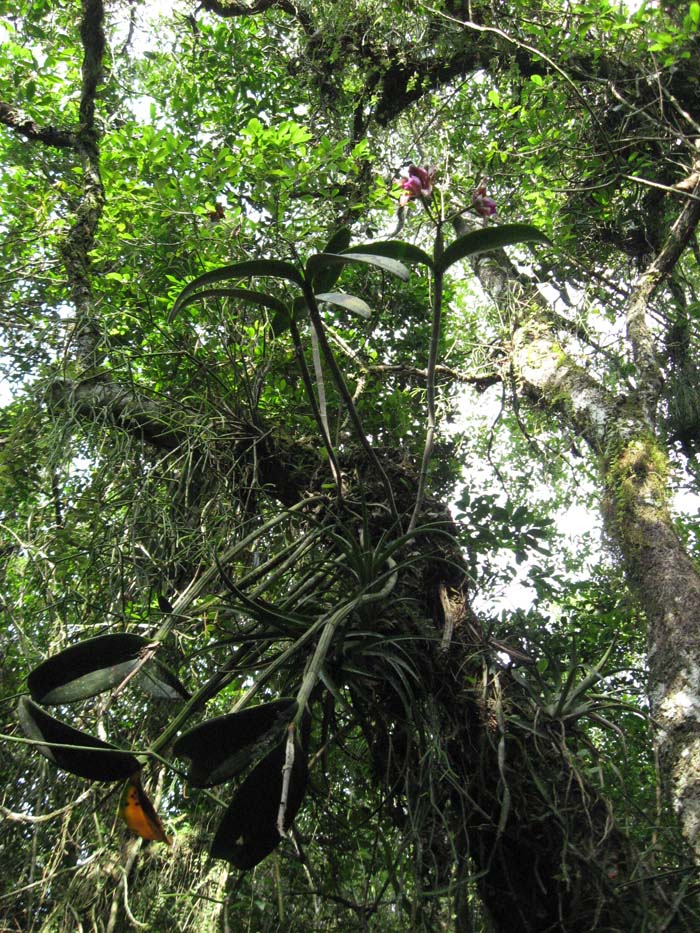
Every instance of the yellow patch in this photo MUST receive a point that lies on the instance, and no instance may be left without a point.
(138, 812)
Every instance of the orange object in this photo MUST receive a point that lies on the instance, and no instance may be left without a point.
(138, 812)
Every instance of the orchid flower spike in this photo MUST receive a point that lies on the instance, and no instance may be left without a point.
(419, 183)
(482, 204)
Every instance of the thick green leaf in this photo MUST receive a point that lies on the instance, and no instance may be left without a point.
(94, 759)
(322, 261)
(222, 747)
(99, 664)
(339, 242)
(274, 268)
(393, 249)
(326, 278)
(349, 302)
(245, 294)
(157, 680)
(248, 832)
(85, 669)
(281, 322)
(482, 241)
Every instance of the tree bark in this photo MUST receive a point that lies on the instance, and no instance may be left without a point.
(634, 471)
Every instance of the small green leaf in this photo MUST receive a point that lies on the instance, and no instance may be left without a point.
(222, 747)
(393, 249)
(238, 270)
(490, 238)
(248, 833)
(93, 759)
(349, 302)
(321, 260)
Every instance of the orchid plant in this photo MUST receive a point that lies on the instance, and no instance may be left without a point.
(268, 733)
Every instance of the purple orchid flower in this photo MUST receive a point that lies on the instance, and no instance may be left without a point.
(482, 204)
(418, 184)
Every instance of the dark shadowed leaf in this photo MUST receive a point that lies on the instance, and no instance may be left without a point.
(393, 249)
(349, 302)
(280, 322)
(481, 241)
(164, 604)
(99, 664)
(339, 241)
(326, 278)
(248, 831)
(85, 669)
(93, 759)
(222, 747)
(157, 680)
(324, 260)
(238, 270)
(244, 294)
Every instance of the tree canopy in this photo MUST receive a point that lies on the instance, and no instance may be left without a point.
(349, 466)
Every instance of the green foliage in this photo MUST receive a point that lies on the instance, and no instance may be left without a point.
(210, 448)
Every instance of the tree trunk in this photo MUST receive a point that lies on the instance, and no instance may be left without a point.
(634, 472)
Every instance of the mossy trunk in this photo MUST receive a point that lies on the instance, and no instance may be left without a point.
(668, 584)
(634, 473)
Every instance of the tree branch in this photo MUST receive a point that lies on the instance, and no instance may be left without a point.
(634, 471)
(229, 8)
(642, 340)
(23, 124)
(100, 400)
(75, 250)
(480, 383)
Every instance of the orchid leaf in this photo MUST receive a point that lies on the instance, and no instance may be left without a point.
(393, 249)
(99, 664)
(157, 680)
(274, 268)
(349, 302)
(490, 238)
(248, 833)
(322, 260)
(326, 278)
(222, 747)
(245, 294)
(281, 321)
(91, 758)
